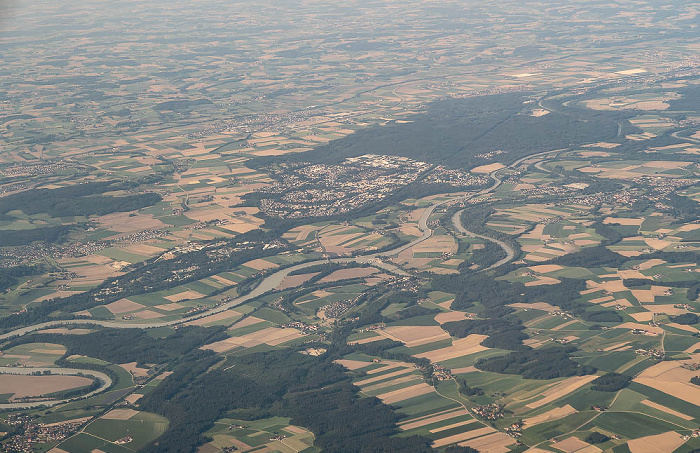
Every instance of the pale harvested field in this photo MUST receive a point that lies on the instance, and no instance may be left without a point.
(249, 321)
(371, 380)
(223, 280)
(119, 414)
(54, 295)
(544, 306)
(292, 281)
(143, 249)
(345, 274)
(224, 315)
(185, 295)
(148, 314)
(630, 274)
(492, 443)
(670, 378)
(437, 244)
(122, 223)
(133, 398)
(643, 295)
(134, 369)
(661, 443)
(406, 393)
(123, 306)
(554, 414)
(487, 168)
(453, 425)
(667, 410)
(367, 340)
(461, 437)
(352, 364)
(399, 380)
(648, 264)
(21, 386)
(272, 336)
(632, 326)
(260, 264)
(389, 366)
(543, 281)
(624, 221)
(644, 316)
(616, 346)
(546, 268)
(571, 445)
(169, 307)
(561, 389)
(682, 327)
(65, 330)
(452, 413)
(460, 348)
(444, 317)
(666, 309)
(414, 335)
(614, 286)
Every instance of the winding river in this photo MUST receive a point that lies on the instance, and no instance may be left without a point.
(273, 280)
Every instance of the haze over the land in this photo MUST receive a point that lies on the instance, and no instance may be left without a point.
(369, 226)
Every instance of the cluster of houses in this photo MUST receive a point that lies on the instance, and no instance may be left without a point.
(32, 433)
(322, 190)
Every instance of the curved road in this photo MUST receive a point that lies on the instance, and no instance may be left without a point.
(270, 282)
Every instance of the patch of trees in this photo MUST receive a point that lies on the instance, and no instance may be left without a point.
(485, 257)
(77, 200)
(695, 380)
(9, 275)
(687, 319)
(504, 333)
(611, 382)
(315, 392)
(634, 282)
(131, 345)
(601, 316)
(683, 207)
(414, 311)
(454, 132)
(543, 363)
(53, 235)
(460, 449)
(674, 257)
(591, 257)
(693, 292)
(611, 234)
(466, 390)
(478, 288)
(689, 100)
(596, 438)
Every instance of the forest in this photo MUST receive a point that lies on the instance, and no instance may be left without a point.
(454, 132)
(77, 200)
(313, 391)
(544, 363)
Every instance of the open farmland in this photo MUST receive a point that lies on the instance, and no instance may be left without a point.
(380, 226)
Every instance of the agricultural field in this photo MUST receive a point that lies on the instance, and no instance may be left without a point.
(390, 226)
